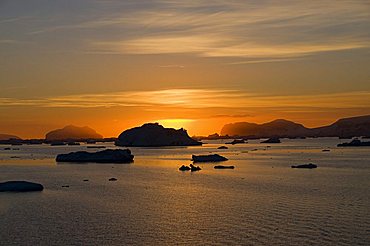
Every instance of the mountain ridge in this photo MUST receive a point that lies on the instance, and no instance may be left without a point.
(345, 127)
(8, 136)
(73, 132)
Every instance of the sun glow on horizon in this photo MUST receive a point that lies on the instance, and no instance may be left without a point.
(176, 123)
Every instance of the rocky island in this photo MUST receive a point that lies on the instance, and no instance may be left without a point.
(105, 156)
(306, 166)
(354, 143)
(8, 137)
(223, 167)
(155, 135)
(191, 167)
(236, 141)
(208, 158)
(272, 140)
(72, 133)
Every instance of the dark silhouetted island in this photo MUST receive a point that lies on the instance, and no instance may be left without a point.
(194, 168)
(222, 147)
(73, 144)
(105, 156)
(72, 133)
(307, 166)
(343, 128)
(223, 167)
(236, 141)
(191, 167)
(155, 135)
(57, 143)
(20, 186)
(208, 158)
(8, 137)
(214, 136)
(354, 143)
(272, 129)
(272, 140)
(184, 168)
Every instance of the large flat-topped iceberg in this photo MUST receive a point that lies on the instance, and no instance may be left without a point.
(105, 156)
(208, 158)
(20, 186)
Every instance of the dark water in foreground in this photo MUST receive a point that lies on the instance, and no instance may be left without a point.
(261, 202)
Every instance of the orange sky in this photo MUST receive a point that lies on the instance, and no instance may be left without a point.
(200, 111)
(112, 65)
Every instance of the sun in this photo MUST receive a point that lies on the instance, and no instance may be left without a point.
(175, 123)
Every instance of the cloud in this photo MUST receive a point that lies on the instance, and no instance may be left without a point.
(9, 41)
(15, 19)
(256, 61)
(230, 116)
(10, 88)
(272, 30)
(215, 47)
(248, 29)
(162, 100)
(171, 66)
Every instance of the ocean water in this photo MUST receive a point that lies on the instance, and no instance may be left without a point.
(261, 202)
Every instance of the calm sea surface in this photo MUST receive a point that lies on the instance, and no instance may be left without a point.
(261, 202)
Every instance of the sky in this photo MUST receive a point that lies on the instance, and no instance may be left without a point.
(199, 64)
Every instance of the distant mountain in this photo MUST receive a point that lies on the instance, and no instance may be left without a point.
(73, 133)
(274, 128)
(7, 137)
(155, 135)
(348, 127)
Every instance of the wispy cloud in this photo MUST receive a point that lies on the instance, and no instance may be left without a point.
(197, 99)
(9, 41)
(215, 47)
(10, 88)
(256, 61)
(14, 19)
(272, 30)
(171, 66)
(230, 116)
(247, 29)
